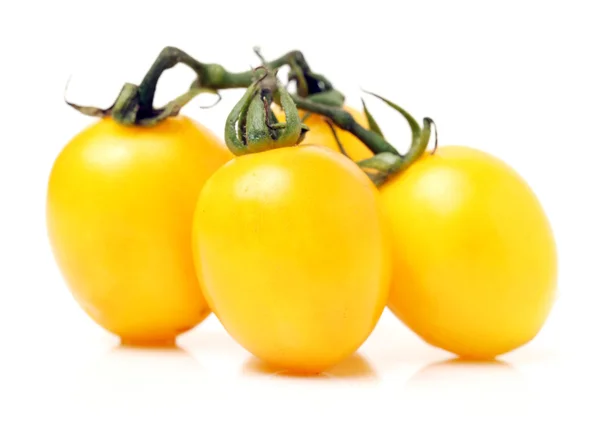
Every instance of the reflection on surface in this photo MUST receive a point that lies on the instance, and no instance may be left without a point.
(469, 370)
(467, 374)
(459, 386)
(139, 379)
(354, 367)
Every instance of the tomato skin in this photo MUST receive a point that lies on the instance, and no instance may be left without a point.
(475, 263)
(320, 134)
(293, 255)
(120, 203)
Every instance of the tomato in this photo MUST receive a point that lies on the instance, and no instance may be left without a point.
(120, 204)
(291, 247)
(475, 263)
(320, 134)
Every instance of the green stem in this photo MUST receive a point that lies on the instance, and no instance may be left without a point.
(210, 77)
(134, 105)
(170, 57)
(344, 120)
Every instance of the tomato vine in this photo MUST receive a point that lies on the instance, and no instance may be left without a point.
(314, 94)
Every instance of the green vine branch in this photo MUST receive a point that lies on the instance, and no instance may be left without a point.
(344, 120)
(315, 94)
(134, 105)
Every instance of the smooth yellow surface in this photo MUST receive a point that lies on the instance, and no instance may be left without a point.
(475, 263)
(119, 214)
(320, 134)
(293, 255)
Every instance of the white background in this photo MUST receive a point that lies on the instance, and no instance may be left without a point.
(519, 79)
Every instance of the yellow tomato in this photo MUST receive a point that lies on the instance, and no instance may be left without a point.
(120, 204)
(291, 247)
(475, 262)
(320, 134)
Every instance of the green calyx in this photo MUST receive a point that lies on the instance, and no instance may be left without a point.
(384, 165)
(127, 110)
(252, 126)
